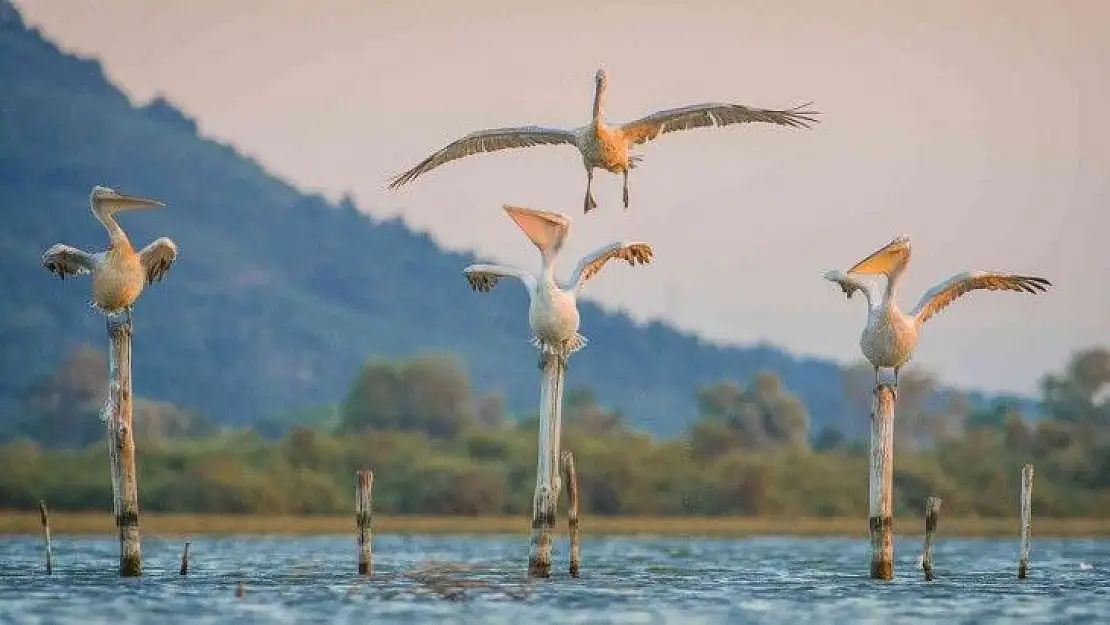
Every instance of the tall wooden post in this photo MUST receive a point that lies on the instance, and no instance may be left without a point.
(571, 475)
(364, 480)
(881, 481)
(121, 445)
(546, 497)
(1026, 519)
(932, 511)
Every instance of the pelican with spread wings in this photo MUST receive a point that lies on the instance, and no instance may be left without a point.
(603, 145)
(890, 336)
(553, 307)
(119, 273)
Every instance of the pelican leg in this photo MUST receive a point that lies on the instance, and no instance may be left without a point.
(127, 315)
(624, 195)
(877, 379)
(896, 376)
(589, 202)
(543, 360)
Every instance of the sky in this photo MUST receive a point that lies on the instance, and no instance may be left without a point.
(977, 127)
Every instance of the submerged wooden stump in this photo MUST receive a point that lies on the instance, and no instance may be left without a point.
(881, 482)
(44, 518)
(1026, 519)
(121, 446)
(546, 497)
(364, 480)
(571, 474)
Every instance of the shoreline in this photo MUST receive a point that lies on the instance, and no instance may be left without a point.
(178, 524)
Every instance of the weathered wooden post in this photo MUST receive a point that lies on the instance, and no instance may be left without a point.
(932, 510)
(571, 476)
(546, 497)
(184, 570)
(44, 518)
(553, 318)
(1026, 519)
(121, 447)
(364, 480)
(881, 481)
(119, 275)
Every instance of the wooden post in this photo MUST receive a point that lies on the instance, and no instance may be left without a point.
(121, 445)
(185, 559)
(364, 480)
(932, 510)
(571, 475)
(44, 518)
(1026, 518)
(881, 481)
(546, 497)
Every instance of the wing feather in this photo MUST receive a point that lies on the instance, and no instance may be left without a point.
(712, 114)
(633, 253)
(488, 141)
(483, 278)
(157, 259)
(64, 260)
(937, 298)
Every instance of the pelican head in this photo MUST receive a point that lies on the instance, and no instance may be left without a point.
(888, 260)
(837, 276)
(106, 201)
(546, 229)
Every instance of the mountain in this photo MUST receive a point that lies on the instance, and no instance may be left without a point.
(278, 296)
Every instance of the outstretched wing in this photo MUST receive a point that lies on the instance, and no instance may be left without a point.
(634, 253)
(936, 298)
(157, 258)
(488, 141)
(483, 278)
(64, 260)
(712, 114)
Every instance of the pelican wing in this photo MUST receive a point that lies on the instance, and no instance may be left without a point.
(157, 258)
(483, 278)
(936, 298)
(65, 260)
(488, 141)
(711, 114)
(633, 253)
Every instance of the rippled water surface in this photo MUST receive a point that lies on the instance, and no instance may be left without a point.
(624, 580)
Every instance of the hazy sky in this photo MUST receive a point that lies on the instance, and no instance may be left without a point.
(978, 127)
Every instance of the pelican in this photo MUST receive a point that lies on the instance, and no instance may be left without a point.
(118, 273)
(890, 336)
(553, 307)
(603, 145)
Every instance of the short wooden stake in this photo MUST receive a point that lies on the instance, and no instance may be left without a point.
(881, 482)
(932, 510)
(571, 476)
(185, 559)
(44, 518)
(364, 479)
(121, 445)
(546, 497)
(1026, 519)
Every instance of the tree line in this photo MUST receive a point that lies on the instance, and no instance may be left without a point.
(437, 448)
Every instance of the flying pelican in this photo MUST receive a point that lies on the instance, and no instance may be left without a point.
(118, 273)
(603, 145)
(890, 336)
(553, 307)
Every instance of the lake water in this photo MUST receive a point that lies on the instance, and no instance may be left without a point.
(624, 580)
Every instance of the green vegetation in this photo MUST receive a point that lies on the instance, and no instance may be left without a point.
(279, 295)
(437, 449)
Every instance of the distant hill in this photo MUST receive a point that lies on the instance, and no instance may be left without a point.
(279, 297)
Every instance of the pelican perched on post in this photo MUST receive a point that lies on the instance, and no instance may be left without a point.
(603, 145)
(890, 336)
(553, 307)
(118, 273)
